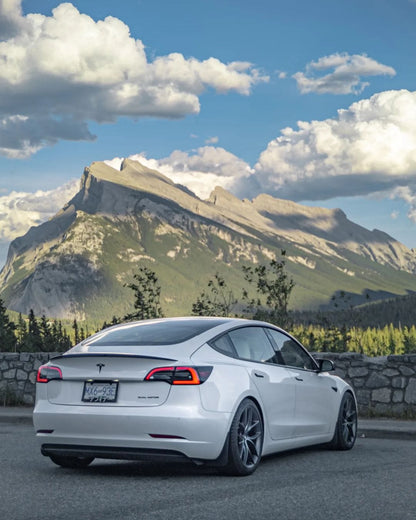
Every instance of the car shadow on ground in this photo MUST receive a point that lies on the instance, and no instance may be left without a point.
(134, 469)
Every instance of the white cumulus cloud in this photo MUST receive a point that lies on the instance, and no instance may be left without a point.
(59, 72)
(200, 170)
(369, 148)
(345, 76)
(20, 210)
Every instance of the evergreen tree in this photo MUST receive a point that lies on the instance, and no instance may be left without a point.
(34, 341)
(8, 340)
(147, 296)
(21, 333)
(46, 332)
(76, 335)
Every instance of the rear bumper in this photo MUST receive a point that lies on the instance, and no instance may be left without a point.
(105, 452)
(126, 432)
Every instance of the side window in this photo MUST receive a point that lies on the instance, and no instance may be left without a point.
(291, 353)
(253, 344)
(224, 345)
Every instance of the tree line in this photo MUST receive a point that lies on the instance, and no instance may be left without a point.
(34, 334)
(265, 297)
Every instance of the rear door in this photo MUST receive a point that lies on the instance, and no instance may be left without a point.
(275, 384)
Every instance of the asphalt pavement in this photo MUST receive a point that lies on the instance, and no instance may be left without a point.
(382, 428)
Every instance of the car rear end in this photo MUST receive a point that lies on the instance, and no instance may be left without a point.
(101, 402)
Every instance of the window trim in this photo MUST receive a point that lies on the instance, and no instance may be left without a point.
(314, 362)
(266, 328)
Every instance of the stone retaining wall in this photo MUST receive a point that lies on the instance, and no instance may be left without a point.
(383, 385)
(18, 376)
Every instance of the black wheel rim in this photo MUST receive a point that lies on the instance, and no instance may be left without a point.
(250, 433)
(349, 421)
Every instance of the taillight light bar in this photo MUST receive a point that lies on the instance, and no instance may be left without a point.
(47, 373)
(187, 375)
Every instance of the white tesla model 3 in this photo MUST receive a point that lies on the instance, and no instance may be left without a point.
(218, 390)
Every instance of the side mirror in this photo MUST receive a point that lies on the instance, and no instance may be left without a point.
(325, 365)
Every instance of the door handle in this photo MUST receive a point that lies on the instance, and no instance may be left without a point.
(257, 374)
(298, 378)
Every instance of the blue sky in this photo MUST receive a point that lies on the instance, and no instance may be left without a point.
(211, 86)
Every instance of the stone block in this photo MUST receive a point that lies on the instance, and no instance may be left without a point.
(381, 395)
(377, 381)
(363, 397)
(4, 365)
(390, 372)
(32, 377)
(406, 371)
(358, 371)
(21, 375)
(410, 393)
(397, 396)
(358, 382)
(9, 374)
(24, 356)
(399, 382)
(11, 357)
(38, 363)
(395, 358)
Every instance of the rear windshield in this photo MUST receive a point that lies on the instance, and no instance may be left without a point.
(156, 333)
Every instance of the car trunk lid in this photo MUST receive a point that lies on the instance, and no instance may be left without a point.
(108, 380)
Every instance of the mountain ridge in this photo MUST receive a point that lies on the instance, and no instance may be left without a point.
(76, 263)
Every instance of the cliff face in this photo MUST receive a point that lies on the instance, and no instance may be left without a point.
(76, 263)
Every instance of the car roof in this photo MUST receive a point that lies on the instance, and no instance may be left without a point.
(164, 335)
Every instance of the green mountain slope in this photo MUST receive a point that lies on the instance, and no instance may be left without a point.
(76, 264)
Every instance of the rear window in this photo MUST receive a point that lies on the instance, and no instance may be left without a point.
(155, 333)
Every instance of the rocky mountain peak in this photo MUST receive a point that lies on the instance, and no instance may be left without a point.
(123, 217)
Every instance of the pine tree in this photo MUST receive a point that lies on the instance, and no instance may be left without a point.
(76, 335)
(8, 340)
(46, 332)
(34, 341)
(21, 333)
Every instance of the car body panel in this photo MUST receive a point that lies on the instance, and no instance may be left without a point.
(298, 407)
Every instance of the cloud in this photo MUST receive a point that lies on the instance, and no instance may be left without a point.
(19, 210)
(59, 72)
(369, 148)
(200, 170)
(345, 77)
(10, 18)
(212, 140)
(408, 194)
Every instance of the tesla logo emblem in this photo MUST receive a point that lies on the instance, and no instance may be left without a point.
(100, 366)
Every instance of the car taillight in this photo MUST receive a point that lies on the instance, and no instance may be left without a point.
(47, 373)
(180, 375)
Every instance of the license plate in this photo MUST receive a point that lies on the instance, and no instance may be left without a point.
(100, 391)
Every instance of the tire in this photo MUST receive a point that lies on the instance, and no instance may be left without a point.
(245, 440)
(71, 462)
(346, 427)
